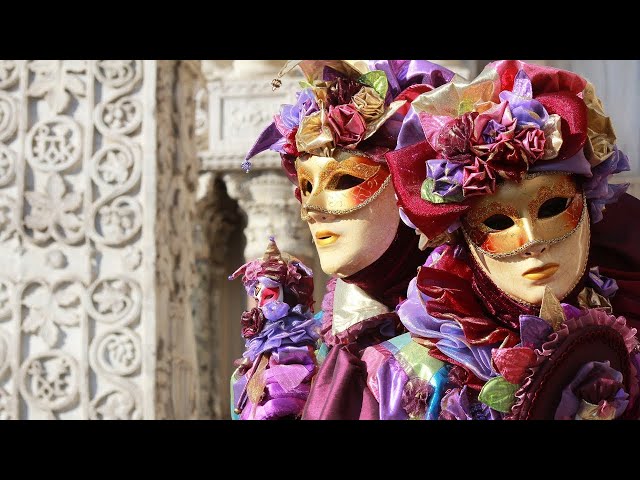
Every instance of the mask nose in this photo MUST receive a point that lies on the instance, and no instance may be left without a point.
(313, 216)
(534, 250)
(537, 248)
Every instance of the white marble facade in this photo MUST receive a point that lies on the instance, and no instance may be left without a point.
(98, 177)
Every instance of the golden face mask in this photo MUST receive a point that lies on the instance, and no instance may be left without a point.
(543, 209)
(341, 184)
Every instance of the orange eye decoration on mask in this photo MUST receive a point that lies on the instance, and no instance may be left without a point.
(339, 185)
(544, 208)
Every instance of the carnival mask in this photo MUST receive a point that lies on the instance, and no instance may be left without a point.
(267, 291)
(531, 234)
(350, 208)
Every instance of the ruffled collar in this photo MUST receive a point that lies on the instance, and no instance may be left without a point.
(367, 330)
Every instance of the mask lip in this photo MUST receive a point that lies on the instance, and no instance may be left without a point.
(528, 245)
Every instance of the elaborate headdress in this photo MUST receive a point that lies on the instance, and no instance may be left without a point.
(513, 119)
(344, 106)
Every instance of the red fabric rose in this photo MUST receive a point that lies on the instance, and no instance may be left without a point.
(252, 322)
(531, 140)
(347, 124)
(478, 179)
(454, 140)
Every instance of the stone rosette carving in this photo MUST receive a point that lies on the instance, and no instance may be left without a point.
(50, 380)
(54, 144)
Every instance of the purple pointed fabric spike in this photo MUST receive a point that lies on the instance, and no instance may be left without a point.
(268, 137)
(522, 85)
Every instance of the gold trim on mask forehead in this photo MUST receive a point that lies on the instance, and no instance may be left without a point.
(305, 209)
(328, 176)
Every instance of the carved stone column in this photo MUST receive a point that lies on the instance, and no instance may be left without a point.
(97, 187)
(176, 379)
(267, 199)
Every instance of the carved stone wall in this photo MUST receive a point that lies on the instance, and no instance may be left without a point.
(97, 190)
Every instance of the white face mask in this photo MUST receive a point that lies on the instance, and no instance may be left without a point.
(349, 242)
(531, 235)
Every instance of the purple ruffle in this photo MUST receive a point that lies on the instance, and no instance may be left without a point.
(298, 328)
(545, 352)
(415, 317)
(456, 405)
(287, 385)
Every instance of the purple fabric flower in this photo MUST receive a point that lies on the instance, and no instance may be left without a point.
(596, 392)
(526, 110)
(295, 329)
(279, 136)
(501, 115)
(492, 130)
(415, 397)
(447, 178)
(605, 286)
(456, 405)
(600, 193)
(533, 331)
(291, 115)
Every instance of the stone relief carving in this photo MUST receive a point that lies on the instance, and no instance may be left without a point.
(80, 286)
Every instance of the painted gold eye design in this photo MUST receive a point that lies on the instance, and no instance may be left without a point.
(554, 206)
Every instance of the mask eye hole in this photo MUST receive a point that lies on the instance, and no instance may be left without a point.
(306, 187)
(553, 207)
(345, 182)
(498, 222)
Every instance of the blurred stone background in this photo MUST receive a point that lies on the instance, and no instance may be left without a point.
(123, 210)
